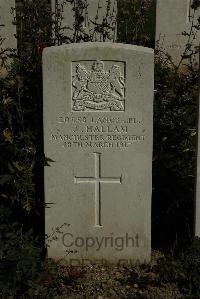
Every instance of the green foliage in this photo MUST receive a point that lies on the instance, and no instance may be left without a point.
(20, 259)
(21, 146)
(81, 31)
(175, 119)
(175, 143)
(23, 274)
(21, 106)
(191, 262)
(136, 22)
(175, 150)
(183, 270)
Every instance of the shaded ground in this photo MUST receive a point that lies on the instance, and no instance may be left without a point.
(102, 282)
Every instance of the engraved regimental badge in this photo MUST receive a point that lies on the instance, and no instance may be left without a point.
(97, 89)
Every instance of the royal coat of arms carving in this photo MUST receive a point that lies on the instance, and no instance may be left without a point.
(97, 89)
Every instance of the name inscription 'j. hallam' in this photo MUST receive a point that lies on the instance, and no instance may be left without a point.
(98, 89)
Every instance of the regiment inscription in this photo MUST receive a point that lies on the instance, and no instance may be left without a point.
(99, 132)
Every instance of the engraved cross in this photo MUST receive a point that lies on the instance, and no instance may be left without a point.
(98, 180)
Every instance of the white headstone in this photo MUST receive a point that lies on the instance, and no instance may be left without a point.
(8, 30)
(173, 17)
(98, 119)
(94, 12)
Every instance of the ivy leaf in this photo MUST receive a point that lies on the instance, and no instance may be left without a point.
(8, 136)
(18, 167)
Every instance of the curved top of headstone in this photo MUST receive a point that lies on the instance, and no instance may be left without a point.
(101, 45)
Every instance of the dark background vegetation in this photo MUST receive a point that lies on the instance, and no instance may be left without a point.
(21, 140)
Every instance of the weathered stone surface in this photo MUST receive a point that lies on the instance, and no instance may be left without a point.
(173, 17)
(98, 116)
(94, 13)
(8, 30)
